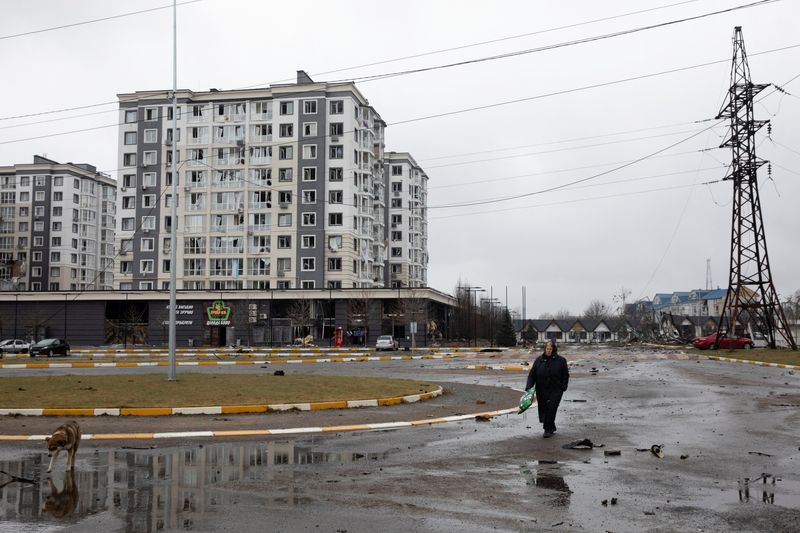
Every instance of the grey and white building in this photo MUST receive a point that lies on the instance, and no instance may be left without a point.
(278, 188)
(407, 221)
(56, 227)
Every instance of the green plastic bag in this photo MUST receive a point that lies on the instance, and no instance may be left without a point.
(526, 400)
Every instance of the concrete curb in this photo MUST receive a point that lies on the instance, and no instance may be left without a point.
(751, 362)
(263, 432)
(230, 363)
(223, 409)
(514, 368)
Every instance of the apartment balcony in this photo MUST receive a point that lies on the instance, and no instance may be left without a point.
(259, 205)
(227, 184)
(195, 229)
(196, 184)
(203, 139)
(261, 160)
(197, 207)
(194, 119)
(227, 229)
(226, 249)
(230, 117)
(261, 116)
(259, 228)
(261, 138)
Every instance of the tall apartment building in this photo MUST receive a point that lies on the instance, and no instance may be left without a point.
(407, 221)
(281, 187)
(56, 227)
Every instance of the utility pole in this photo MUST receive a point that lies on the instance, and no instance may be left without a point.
(751, 293)
(173, 267)
(708, 275)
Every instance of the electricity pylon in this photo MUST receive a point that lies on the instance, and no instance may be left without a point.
(751, 294)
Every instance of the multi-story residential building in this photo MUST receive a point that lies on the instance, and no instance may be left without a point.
(56, 227)
(281, 187)
(407, 221)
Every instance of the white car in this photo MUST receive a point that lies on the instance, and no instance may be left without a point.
(14, 346)
(386, 342)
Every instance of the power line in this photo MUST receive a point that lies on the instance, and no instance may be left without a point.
(82, 23)
(400, 73)
(465, 110)
(506, 178)
(583, 88)
(562, 44)
(574, 200)
(582, 180)
(502, 39)
(556, 150)
(574, 139)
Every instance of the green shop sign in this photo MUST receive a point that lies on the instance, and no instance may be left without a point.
(219, 314)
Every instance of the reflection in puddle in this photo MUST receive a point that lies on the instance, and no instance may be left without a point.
(547, 475)
(767, 488)
(62, 503)
(151, 490)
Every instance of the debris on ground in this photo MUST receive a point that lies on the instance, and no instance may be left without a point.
(612, 452)
(480, 402)
(279, 373)
(760, 453)
(483, 418)
(685, 456)
(657, 450)
(581, 444)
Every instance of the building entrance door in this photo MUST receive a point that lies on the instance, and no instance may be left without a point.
(218, 336)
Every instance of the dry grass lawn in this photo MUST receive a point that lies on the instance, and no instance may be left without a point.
(153, 390)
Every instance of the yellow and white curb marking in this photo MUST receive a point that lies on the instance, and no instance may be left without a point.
(751, 362)
(224, 409)
(516, 368)
(509, 367)
(123, 364)
(263, 432)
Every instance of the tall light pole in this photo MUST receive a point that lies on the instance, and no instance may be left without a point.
(470, 290)
(173, 252)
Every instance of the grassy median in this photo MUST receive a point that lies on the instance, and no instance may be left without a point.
(786, 357)
(152, 390)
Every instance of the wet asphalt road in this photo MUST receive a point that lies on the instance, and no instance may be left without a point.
(736, 425)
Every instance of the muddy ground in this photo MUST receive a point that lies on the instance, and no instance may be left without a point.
(729, 434)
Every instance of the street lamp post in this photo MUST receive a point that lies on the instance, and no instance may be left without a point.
(470, 290)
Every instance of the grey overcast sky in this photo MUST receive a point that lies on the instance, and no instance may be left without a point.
(649, 227)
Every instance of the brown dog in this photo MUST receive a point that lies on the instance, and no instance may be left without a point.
(66, 437)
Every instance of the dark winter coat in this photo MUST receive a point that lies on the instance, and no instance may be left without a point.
(551, 377)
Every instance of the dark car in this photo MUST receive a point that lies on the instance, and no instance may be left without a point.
(712, 342)
(50, 347)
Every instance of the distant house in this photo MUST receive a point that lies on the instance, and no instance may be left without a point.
(575, 330)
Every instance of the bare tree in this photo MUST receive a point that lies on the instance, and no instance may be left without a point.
(621, 299)
(415, 308)
(358, 312)
(791, 306)
(597, 309)
(300, 312)
(562, 314)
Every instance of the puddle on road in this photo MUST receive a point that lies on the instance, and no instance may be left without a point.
(764, 489)
(154, 489)
(548, 475)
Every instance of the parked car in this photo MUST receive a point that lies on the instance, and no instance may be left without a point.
(711, 342)
(386, 342)
(50, 347)
(13, 346)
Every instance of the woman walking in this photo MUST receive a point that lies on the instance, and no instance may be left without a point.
(551, 376)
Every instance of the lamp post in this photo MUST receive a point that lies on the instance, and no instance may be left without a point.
(470, 290)
(492, 303)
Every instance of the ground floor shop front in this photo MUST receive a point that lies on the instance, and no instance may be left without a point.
(250, 318)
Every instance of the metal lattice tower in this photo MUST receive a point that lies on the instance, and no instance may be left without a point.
(751, 294)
